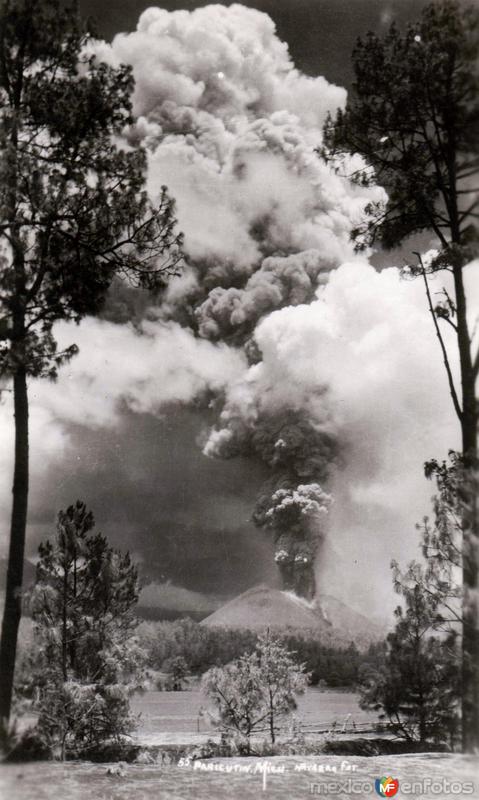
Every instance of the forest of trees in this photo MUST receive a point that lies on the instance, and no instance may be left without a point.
(202, 647)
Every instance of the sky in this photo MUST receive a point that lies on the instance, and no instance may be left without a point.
(278, 351)
(320, 33)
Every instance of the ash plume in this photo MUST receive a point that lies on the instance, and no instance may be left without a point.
(292, 504)
(231, 126)
(311, 355)
(295, 514)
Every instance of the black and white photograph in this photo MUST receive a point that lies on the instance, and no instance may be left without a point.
(239, 360)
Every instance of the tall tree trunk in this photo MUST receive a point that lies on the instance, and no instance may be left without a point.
(271, 720)
(470, 611)
(13, 596)
(64, 620)
(74, 615)
(470, 550)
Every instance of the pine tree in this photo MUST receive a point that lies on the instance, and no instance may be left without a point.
(413, 116)
(73, 215)
(237, 693)
(417, 687)
(418, 684)
(282, 680)
(85, 657)
(256, 690)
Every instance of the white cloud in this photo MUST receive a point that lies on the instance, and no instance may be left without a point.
(362, 362)
(231, 127)
(144, 369)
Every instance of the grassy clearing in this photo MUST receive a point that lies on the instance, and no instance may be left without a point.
(168, 717)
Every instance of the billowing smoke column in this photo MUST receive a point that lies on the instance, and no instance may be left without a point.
(312, 357)
(231, 127)
(295, 516)
(292, 505)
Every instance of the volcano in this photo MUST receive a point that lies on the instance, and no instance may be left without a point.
(261, 607)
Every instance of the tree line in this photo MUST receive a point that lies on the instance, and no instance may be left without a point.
(201, 647)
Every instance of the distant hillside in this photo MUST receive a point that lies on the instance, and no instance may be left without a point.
(150, 614)
(330, 619)
(166, 601)
(353, 625)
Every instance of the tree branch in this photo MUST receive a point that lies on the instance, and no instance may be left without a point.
(452, 388)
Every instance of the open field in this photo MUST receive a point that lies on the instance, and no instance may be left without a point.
(172, 717)
(294, 778)
(179, 717)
